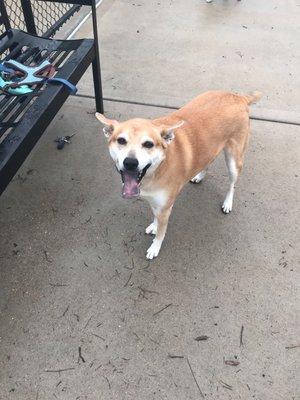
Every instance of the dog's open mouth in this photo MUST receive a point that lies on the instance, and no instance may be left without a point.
(131, 181)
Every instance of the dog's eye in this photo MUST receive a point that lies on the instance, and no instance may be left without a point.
(148, 144)
(121, 140)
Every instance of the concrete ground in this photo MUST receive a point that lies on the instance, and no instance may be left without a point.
(83, 314)
(167, 52)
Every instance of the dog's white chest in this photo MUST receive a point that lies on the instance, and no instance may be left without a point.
(156, 197)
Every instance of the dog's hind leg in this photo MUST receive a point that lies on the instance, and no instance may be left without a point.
(199, 177)
(234, 162)
(233, 175)
(234, 152)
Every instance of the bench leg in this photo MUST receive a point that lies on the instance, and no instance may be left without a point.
(98, 85)
(96, 63)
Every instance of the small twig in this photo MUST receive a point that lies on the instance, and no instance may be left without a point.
(241, 336)
(174, 356)
(201, 338)
(100, 337)
(225, 385)
(99, 366)
(192, 372)
(77, 317)
(136, 335)
(292, 347)
(88, 220)
(106, 231)
(88, 321)
(80, 355)
(164, 308)
(128, 280)
(47, 257)
(59, 370)
(66, 310)
(109, 385)
(147, 290)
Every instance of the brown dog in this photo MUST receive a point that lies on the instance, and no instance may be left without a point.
(157, 157)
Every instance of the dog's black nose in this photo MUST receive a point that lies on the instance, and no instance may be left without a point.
(130, 163)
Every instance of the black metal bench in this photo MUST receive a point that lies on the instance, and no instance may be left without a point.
(23, 119)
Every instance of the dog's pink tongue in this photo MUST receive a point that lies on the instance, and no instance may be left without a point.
(130, 187)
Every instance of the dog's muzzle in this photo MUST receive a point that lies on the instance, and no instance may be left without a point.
(131, 181)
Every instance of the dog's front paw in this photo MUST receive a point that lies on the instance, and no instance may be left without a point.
(227, 206)
(153, 250)
(151, 229)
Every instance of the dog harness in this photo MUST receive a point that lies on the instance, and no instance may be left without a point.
(18, 79)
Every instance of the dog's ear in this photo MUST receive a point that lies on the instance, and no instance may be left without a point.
(109, 124)
(168, 132)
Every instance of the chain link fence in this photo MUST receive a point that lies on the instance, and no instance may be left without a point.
(46, 14)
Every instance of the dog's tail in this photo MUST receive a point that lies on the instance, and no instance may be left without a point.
(253, 97)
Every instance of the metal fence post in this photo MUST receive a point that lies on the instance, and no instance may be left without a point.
(96, 63)
(28, 16)
(4, 17)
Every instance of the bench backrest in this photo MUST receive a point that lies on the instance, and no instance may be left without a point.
(43, 18)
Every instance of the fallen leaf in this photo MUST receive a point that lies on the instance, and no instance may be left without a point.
(232, 363)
